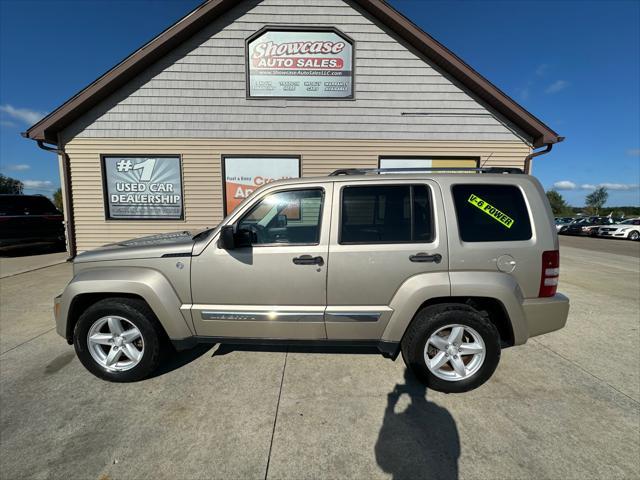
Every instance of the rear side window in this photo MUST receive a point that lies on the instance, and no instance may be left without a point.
(491, 213)
(386, 214)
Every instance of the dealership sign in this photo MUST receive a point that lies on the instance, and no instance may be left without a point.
(245, 174)
(300, 63)
(143, 187)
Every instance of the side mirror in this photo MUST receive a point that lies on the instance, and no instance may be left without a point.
(227, 238)
(281, 221)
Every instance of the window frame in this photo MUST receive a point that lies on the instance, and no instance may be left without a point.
(411, 186)
(105, 193)
(261, 199)
(429, 157)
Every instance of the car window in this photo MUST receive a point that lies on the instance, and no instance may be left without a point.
(491, 213)
(386, 214)
(291, 217)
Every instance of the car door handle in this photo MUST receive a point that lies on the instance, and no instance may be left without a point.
(308, 260)
(425, 257)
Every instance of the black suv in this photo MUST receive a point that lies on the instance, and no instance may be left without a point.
(29, 220)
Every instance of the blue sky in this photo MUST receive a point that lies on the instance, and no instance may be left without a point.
(574, 64)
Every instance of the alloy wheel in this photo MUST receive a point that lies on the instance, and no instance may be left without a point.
(454, 352)
(115, 343)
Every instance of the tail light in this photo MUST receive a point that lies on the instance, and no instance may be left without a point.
(550, 273)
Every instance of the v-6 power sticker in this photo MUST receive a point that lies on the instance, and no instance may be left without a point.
(492, 211)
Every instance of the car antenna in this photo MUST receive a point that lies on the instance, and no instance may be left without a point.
(487, 159)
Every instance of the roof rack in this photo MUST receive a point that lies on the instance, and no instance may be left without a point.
(367, 171)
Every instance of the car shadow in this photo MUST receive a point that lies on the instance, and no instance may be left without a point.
(175, 360)
(419, 442)
(227, 348)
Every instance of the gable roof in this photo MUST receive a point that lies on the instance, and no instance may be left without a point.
(48, 128)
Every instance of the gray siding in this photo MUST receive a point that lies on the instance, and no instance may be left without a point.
(198, 91)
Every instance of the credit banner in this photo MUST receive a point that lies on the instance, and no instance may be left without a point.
(300, 64)
(143, 187)
(244, 174)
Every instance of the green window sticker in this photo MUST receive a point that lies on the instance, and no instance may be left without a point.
(492, 211)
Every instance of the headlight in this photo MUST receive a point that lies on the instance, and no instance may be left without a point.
(623, 229)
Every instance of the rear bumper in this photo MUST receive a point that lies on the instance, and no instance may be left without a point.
(544, 315)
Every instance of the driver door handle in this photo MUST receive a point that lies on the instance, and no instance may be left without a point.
(308, 260)
(425, 257)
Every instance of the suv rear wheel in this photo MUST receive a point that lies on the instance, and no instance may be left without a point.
(451, 347)
(117, 339)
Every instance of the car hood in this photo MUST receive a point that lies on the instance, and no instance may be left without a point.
(153, 246)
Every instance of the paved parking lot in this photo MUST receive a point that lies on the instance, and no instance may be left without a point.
(566, 405)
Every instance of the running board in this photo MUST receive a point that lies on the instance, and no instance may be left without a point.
(389, 350)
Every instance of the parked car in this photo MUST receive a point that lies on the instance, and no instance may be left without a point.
(358, 259)
(562, 222)
(629, 229)
(29, 220)
(587, 226)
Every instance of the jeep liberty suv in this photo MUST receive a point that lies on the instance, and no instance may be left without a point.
(445, 268)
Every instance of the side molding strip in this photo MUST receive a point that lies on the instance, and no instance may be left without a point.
(352, 316)
(262, 316)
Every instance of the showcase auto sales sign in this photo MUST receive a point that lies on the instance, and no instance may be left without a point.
(300, 64)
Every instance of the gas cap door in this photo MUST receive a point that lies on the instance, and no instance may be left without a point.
(506, 263)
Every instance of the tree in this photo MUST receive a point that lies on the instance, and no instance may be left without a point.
(596, 199)
(57, 199)
(557, 202)
(10, 185)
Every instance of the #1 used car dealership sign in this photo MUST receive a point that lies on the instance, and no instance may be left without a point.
(143, 187)
(300, 63)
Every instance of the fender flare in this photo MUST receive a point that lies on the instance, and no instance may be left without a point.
(497, 285)
(409, 297)
(419, 289)
(149, 284)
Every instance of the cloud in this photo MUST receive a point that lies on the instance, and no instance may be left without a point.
(564, 185)
(569, 185)
(633, 152)
(611, 186)
(620, 186)
(39, 185)
(7, 123)
(542, 69)
(557, 86)
(22, 114)
(18, 167)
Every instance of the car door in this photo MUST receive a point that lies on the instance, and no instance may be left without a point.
(276, 287)
(384, 233)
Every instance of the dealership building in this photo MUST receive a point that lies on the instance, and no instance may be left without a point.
(241, 92)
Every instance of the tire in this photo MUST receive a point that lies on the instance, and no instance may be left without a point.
(140, 330)
(478, 367)
(633, 235)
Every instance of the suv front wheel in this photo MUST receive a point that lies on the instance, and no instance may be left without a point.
(451, 347)
(116, 339)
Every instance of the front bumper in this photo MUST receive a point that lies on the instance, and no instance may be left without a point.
(57, 315)
(544, 315)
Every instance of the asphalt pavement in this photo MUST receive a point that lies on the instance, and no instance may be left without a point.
(565, 405)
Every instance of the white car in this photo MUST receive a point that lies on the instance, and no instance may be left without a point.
(628, 229)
